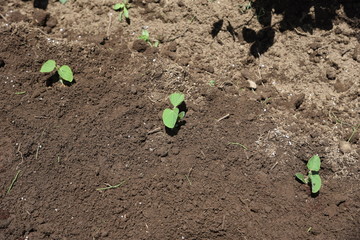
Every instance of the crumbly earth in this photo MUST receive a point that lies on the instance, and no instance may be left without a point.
(268, 84)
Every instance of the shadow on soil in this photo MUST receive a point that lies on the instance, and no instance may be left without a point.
(306, 15)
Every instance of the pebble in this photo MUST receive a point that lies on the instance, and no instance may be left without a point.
(345, 147)
(252, 84)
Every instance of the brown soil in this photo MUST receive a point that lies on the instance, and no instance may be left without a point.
(227, 171)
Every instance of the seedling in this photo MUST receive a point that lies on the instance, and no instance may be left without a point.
(145, 36)
(313, 176)
(172, 116)
(123, 8)
(64, 71)
(63, 1)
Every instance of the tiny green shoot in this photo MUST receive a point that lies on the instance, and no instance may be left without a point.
(64, 71)
(13, 181)
(20, 93)
(111, 186)
(123, 8)
(212, 83)
(313, 176)
(146, 37)
(63, 1)
(172, 116)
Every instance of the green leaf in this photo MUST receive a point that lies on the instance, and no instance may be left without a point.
(181, 115)
(301, 177)
(315, 182)
(118, 6)
(176, 99)
(145, 33)
(126, 12)
(63, 1)
(66, 73)
(170, 117)
(314, 163)
(121, 16)
(156, 43)
(48, 66)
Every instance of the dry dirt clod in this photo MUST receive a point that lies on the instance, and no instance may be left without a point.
(345, 147)
(331, 74)
(297, 100)
(356, 54)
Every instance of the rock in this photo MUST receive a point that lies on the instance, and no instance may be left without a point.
(330, 210)
(315, 45)
(356, 54)
(252, 85)
(341, 87)
(2, 63)
(331, 74)
(345, 147)
(161, 151)
(40, 17)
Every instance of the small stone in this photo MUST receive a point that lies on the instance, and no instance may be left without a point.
(161, 151)
(331, 74)
(175, 151)
(330, 210)
(252, 85)
(345, 147)
(341, 87)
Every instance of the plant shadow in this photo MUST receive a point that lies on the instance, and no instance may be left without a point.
(56, 78)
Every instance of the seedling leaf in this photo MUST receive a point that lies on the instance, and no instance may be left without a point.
(118, 6)
(176, 99)
(170, 117)
(314, 163)
(126, 12)
(315, 182)
(66, 73)
(48, 66)
(63, 1)
(181, 115)
(301, 177)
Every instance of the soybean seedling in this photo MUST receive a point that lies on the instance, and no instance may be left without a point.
(172, 116)
(146, 37)
(123, 8)
(64, 71)
(313, 176)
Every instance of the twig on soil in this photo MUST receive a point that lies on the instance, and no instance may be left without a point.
(37, 151)
(111, 186)
(109, 26)
(21, 155)
(274, 166)
(13, 181)
(223, 117)
(4, 17)
(188, 176)
(158, 129)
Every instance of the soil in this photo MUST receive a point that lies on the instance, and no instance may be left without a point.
(267, 85)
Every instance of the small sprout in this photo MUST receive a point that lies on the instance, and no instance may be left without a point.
(20, 93)
(64, 71)
(212, 83)
(123, 8)
(313, 176)
(63, 1)
(172, 116)
(146, 37)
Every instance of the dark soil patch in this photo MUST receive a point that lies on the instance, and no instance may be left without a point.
(228, 172)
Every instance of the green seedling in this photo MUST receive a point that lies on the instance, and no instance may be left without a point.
(172, 116)
(123, 8)
(64, 71)
(20, 93)
(313, 176)
(146, 37)
(63, 1)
